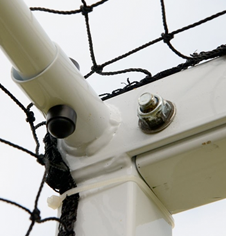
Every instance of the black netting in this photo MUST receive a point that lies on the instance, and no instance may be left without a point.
(57, 174)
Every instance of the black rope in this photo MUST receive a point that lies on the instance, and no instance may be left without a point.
(57, 220)
(18, 147)
(85, 10)
(57, 174)
(72, 12)
(40, 124)
(166, 36)
(60, 180)
(132, 51)
(198, 22)
(13, 98)
(99, 68)
(99, 3)
(35, 214)
(40, 189)
(194, 60)
(15, 204)
(30, 119)
(126, 71)
(30, 228)
(177, 52)
(55, 11)
(164, 17)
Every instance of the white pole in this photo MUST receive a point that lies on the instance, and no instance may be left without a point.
(49, 78)
(23, 39)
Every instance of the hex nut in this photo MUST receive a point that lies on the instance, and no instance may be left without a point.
(154, 113)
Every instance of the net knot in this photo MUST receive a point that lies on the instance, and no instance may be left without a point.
(86, 9)
(97, 68)
(30, 117)
(41, 159)
(167, 37)
(35, 215)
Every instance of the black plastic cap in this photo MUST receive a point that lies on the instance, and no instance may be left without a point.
(61, 121)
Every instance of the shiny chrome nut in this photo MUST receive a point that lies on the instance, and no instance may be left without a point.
(154, 113)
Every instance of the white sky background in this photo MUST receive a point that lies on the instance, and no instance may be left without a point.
(117, 27)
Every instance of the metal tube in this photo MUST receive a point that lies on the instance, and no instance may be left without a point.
(23, 40)
(62, 83)
(49, 77)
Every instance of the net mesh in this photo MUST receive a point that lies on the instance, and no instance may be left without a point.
(57, 173)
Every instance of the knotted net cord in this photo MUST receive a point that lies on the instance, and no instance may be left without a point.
(166, 37)
(57, 173)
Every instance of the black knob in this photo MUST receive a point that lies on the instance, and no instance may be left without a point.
(61, 121)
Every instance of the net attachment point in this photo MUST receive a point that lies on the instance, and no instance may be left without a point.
(61, 121)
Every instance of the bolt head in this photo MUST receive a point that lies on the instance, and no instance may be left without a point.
(145, 99)
(147, 102)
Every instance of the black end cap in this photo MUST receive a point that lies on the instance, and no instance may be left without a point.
(61, 121)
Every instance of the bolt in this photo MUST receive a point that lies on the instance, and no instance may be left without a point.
(154, 112)
(147, 102)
